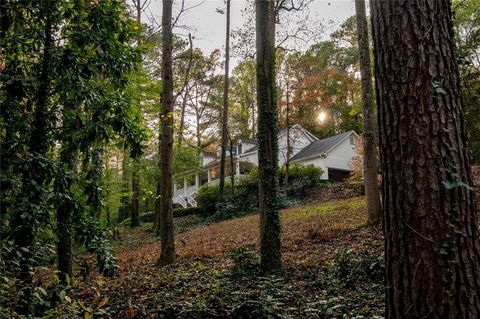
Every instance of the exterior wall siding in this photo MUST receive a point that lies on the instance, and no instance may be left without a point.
(341, 156)
(338, 158)
(298, 141)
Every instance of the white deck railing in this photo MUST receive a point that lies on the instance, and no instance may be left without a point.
(187, 196)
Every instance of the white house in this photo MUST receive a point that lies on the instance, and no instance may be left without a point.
(333, 155)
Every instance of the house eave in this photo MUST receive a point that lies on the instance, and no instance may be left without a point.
(341, 141)
(322, 156)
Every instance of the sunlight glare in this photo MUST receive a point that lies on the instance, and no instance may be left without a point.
(322, 116)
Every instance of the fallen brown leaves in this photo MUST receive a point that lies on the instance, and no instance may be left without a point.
(335, 191)
(311, 235)
(303, 227)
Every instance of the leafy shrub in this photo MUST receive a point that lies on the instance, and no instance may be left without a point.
(352, 285)
(146, 217)
(207, 196)
(245, 262)
(267, 302)
(181, 212)
(242, 200)
(44, 290)
(93, 237)
(301, 178)
(350, 266)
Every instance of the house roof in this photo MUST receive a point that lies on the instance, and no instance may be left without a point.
(253, 149)
(298, 126)
(321, 146)
(280, 133)
(208, 154)
(249, 140)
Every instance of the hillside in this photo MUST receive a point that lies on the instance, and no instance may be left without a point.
(334, 266)
(216, 273)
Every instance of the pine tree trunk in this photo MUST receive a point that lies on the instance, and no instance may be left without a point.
(164, 205)
(225, 106)
(270, 228)
(431, 232)
(372, 190)
(135, 216)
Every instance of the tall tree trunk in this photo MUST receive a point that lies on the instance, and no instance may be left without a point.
(287, 161)
(270, 228)
(138, 7)
(95, 196)
(225, 105)
(135, 216)
(135, 200)
(185, 90)
(164, 206)
(372, 190)
(232, 165)
(183, 111)
(123, 210)
(34, 173)
(431, 232)
(65, 210)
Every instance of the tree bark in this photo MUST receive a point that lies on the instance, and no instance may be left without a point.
(225, 105)
(34, 173)
(372, 189)
(232, 165)
(65, 210)
(95, 198)
(270, 228)
(184, 92)
(431, 234)
(135, 215)
(164, 205)
(287, 161)
(124, 199)
(135, 200)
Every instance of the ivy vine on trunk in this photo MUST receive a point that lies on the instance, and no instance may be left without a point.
(270, 228)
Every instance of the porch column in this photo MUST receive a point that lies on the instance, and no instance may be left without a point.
(209, 176)
(197, 181)
(184, 185)
(237, 168)
(174, 186)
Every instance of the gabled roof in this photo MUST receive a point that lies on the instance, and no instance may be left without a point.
(321, 147)
(298, 126)
(208, 154)
(253, 149)
(245, 140)
(282, 131)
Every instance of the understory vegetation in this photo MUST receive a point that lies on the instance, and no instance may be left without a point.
(333, 268)
(242, 196)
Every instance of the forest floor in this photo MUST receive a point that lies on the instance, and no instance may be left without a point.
(332, 267)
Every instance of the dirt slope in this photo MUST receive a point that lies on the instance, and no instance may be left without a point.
(208, 255)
